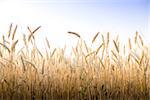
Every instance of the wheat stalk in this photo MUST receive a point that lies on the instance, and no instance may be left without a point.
(24, 68)
(117, 48)
(124, 49)
(117, 38)
(114, 54)
(4, 41)
(102, 63)
(13, 35)
(53, 52)
(141, 58)
(129, 44)
(10, 27)
(107, 39)
(43, 66)
(48, 44)
(5, 47)
(136, 59)
(94, 38)
(142, 43)
(76, 34)
(129, 57)
(99, 48)
(86, 47)
(29, 30)
(90, 54)
(13, 45)
(31, 65)
(24, 39)
(103, 40)
(31, 33)
(39, 52)
(36, 29)
(135, 38)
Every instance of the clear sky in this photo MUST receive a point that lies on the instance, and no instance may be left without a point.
(87, 17)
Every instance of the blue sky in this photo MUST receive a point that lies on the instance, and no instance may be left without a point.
(87, 17)
(149, 17)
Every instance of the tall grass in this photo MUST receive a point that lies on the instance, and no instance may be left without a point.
(109, 72)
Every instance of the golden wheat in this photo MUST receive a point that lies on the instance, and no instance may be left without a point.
(14, 32)
(116, 46)
(14, 45)
(101, 74)
(94, 38)
(48, 44)
(5, 47)
(10, 28)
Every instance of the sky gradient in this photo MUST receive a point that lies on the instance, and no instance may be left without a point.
(86, 17)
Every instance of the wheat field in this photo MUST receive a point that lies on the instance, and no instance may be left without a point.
(112, 71)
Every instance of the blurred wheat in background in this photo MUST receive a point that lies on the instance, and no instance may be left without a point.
(111, 71)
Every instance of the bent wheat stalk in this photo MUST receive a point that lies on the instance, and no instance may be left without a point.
(76, 34)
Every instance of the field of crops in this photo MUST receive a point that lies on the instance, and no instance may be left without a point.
(112, 71)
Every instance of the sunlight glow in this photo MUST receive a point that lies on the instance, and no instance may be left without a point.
(84, 17)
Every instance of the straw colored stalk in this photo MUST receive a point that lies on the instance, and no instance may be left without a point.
(24, 39)
(14, 32)
(135, 38)
(43, 66)
(114, 54)
(136, 58)
(4, 41)
(103, 41)
(53, 52)
(124, 49)
(10, 27)
(142, 43)
(90, 54)
(5, 47)
(102, 63)
(94, 38)
(48, 44)
(24, 68)
(141, 60)
(129, 44)
(117, 48)
(39, 52)
(86, 47)
(13, 45)
(99, 48)
(107, 39)
(31, 65)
